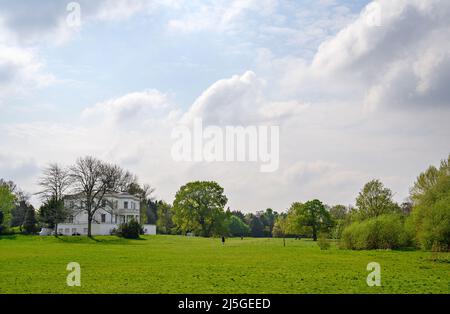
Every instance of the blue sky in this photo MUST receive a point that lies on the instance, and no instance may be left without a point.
(354, 101)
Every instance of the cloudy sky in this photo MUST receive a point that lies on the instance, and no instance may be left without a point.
(356, 96)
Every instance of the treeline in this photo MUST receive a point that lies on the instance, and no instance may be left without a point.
(375, 222)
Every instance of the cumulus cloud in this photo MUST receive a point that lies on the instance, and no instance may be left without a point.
(402, 62)
(122, 109)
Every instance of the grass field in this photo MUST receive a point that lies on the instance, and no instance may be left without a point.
(175, 264)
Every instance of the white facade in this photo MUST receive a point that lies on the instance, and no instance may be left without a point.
(116, 209)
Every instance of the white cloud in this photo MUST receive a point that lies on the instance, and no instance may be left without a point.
(403, 62)
(132, 105)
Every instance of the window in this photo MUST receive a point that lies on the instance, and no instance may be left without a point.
(74, 230)
(70, 219)
(125, 205)
(67, 230)
(85, 230)
(71, 204)
(103, 217)
(60, 230)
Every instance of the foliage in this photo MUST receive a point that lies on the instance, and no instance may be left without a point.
(30, 222)
(340, 217)
(430, 218)
(280, 227)
(18, 213)
(7, 200)
(52, 212)
(2, 216)
(164, 224)
(237, 227)
(255, 224)
(145, 199)
(322, 241)
(375, 200)
(130, 230)
(381, 232)
(199, 208)
(311, 217)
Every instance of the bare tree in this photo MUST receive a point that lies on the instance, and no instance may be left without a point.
(55, 182)
(93, 179)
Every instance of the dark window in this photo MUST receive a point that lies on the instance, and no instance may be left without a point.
(103, 217)
(125, 205)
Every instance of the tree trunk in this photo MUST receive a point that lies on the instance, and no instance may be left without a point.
(314, 233)
(284, 241)
(89, 225)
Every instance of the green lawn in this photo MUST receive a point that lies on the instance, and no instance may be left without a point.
(175, 264)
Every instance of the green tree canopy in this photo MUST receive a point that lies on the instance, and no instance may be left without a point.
(199, 208)
(312, 215)
(430, 216)
(164, 224)
(375, 200)
(237, 227)
(7, 203)
(52, 212)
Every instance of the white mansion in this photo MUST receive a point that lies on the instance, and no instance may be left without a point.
(116, 208)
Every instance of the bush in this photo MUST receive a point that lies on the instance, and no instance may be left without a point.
(323, 242)
(434, 232)
(130, 230)
(382, 232)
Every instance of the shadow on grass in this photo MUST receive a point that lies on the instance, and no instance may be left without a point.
(94, 240)
(8, 237)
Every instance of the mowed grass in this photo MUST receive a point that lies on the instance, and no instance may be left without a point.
(176, 264)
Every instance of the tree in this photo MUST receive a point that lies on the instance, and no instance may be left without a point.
(54, 182)
(430, 217)
(52, 212)
(268, 218)
(238, 214)
(7, 199)
(164, 224)
(199, 207)
(93, 179)
(237, 227)
(338, 212)
(144, 194)
(255, 224)
(18, 213)
(374, 200)
(340, 219)
(151, 211)
(281, 228)
(30, 222)
(1, 221)
(313, 215)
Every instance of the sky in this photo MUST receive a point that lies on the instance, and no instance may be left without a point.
(359, 90)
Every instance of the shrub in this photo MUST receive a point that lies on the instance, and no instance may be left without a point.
(435, 232)
(130, 230)
(323, 242)
(382, 232)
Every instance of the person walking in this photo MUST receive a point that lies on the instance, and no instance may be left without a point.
(223, 240)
